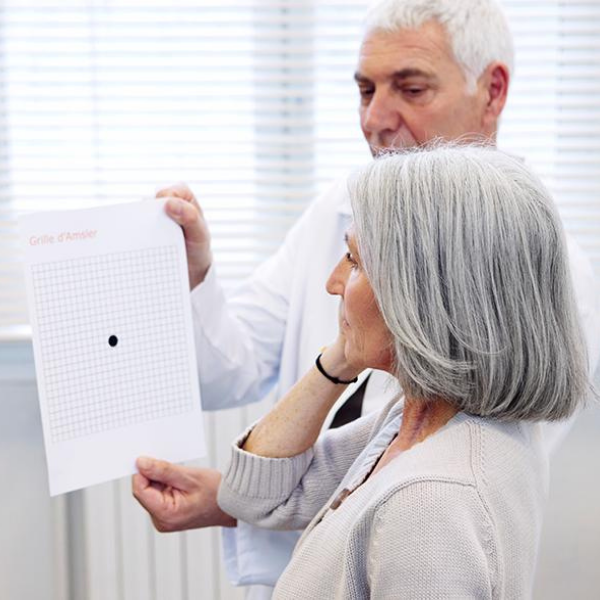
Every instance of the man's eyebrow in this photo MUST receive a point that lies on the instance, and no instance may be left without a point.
(401, 74)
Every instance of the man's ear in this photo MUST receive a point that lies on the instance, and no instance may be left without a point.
(495, 80)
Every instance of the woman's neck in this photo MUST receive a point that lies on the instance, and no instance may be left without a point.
(421, 418)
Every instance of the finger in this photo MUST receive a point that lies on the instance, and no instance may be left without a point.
(189, 217)
(179, 190)
(163, 472)
(140, 486)
(151, 499)
(139, 483)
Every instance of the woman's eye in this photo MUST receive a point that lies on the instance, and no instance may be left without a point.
(350, 259)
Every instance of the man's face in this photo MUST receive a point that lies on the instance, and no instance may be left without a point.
(412, 90)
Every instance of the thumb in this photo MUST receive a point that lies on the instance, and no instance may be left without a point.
(164, 472)
(179, 190)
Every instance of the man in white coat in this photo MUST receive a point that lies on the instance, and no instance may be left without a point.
(427, 69)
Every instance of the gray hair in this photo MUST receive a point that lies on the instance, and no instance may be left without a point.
(477, 29)
(467, 258)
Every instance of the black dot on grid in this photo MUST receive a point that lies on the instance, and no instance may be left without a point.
(113, 340)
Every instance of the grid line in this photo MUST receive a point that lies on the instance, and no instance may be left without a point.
(91, 385)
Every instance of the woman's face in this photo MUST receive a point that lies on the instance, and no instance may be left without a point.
(368, 340)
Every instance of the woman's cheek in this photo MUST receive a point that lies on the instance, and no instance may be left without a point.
(354, 348)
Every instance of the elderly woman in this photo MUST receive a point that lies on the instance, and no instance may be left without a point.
(455, 281)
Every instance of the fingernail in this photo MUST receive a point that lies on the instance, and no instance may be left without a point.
(144, 463)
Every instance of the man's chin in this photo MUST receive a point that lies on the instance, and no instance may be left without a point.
(396, 146)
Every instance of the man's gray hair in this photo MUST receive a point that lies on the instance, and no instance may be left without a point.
(467, 258)
(477, 29)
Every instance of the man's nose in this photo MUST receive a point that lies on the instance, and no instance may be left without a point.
(381, 114)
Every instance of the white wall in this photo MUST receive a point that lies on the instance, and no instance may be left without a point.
(99, 545)
(32, 527)
(569, 560)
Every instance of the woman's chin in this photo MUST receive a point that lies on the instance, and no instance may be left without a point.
(359, 362)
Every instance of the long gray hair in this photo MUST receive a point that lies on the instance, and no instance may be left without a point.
(466, 255)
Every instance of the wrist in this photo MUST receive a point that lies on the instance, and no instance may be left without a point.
(225, 520)
(336, 367)
(199, 274)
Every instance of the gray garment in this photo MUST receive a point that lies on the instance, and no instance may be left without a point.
(456, 516)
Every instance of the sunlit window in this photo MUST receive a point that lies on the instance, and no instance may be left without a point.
(252, 102)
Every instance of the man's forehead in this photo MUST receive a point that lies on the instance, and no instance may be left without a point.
(407, 73)
(424, 49)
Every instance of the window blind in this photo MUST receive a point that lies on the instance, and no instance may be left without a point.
(252, 102)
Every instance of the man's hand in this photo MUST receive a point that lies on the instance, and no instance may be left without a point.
(178, 497)
(184, 209)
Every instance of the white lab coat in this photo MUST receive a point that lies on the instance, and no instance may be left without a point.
(271, 328)
(269, 331)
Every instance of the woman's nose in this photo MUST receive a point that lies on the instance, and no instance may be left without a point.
(337, 280)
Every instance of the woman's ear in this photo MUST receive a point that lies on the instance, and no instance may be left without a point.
(495, 80)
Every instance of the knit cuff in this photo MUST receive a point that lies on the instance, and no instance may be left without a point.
(258, 477)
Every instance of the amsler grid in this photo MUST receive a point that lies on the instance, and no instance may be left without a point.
(112, 339)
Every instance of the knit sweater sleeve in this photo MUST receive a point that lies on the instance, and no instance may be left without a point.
(432, 539)
(286, 493)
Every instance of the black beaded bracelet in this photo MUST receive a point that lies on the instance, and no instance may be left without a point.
(328, 376)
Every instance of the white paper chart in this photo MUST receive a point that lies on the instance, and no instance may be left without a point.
(109, 304)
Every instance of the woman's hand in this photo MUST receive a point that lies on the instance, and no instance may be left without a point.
(334, 359)
(334, 362)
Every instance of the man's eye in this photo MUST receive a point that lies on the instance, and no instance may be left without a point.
(414, 91)
(365, 93)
